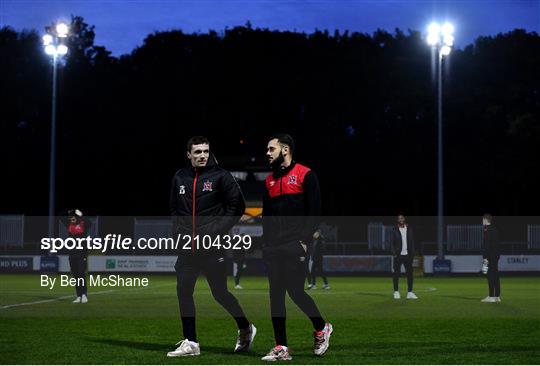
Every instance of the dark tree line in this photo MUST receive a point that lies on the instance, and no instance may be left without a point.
(361, 107)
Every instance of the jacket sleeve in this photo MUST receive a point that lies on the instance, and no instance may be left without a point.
(312, 200)
(491, 245)
(266, 220)
(393, 242)
(233, 203)
(180, 225)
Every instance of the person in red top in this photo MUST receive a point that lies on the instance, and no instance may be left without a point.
(291, 206)
(78, 227)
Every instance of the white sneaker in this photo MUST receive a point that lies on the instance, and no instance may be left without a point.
(238, 287)
(326, 287)
(312, 287)
(84, 299)
(185, 348)
(497, 299)
(411, 296)
(397, 296)
(77, 300)
(278, 353)
(245, 338)
(322, 340)
(489, 299)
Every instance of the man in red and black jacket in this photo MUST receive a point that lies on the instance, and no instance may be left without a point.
(78, 227)
(291, 205)
(205, 200)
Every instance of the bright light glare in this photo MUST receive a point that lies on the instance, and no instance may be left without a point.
(62, 29)
(434, 28)
(445, 50)
(62, 49)
(449, 40)
(50, 50)
(433, 39)
(447, 29)
(47, 39)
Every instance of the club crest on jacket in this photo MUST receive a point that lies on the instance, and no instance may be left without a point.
(207, 186)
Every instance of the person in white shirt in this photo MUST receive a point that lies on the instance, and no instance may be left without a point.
(403, 252)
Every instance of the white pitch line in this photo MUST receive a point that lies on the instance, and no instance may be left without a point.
(50, 300)
(72, 296)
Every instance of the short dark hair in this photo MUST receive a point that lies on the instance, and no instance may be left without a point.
(488, 217)
(196, 140)
(284, 139)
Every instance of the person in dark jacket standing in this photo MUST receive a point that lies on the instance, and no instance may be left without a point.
(291, 205)
(403, 252)
(491, 255)
(78, 227)
(205, 200)
(315, 267)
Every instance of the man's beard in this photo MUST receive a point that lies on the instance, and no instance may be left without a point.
(277, 161)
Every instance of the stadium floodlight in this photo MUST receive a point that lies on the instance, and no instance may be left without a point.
(434, 28)
(433, 39)
(50, 50)
(445, 50)
(441, 40)
(447, 29)
(62, 49)
(47, 39)
(62, 29)
(54, 46)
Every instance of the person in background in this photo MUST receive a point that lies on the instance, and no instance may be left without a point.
(491, 254)
(78, 227)
(239, 264)
(403, 252)
(315, 265)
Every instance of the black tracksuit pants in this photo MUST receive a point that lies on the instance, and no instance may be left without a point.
(494, 281)
(316, 270)
(407, 262)
(214, 268)
(77, 264)
(287, 271)
(238, 267)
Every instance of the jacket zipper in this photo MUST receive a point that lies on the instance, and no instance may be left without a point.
(193, 210)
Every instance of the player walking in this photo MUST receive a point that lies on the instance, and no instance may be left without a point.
(291, 205)
(205, 200)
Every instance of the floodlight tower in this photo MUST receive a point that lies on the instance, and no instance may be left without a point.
(441, 39)
(54, 46)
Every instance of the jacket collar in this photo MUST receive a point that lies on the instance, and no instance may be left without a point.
(283, 170)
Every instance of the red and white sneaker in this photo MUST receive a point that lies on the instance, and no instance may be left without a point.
(322, 340)
(278, 353)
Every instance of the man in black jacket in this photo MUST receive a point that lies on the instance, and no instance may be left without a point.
(491, 254)
(403, 252)
(205, 201)
(291, 205)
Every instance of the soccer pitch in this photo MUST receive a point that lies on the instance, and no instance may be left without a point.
(447, 325)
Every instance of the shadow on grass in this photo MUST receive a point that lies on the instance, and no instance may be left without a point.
(146, 346)
(477, 299)
(374, 294)
(165, 347)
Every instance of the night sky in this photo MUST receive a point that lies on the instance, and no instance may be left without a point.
(122, 25)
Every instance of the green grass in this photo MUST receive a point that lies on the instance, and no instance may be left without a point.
(447, 325)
